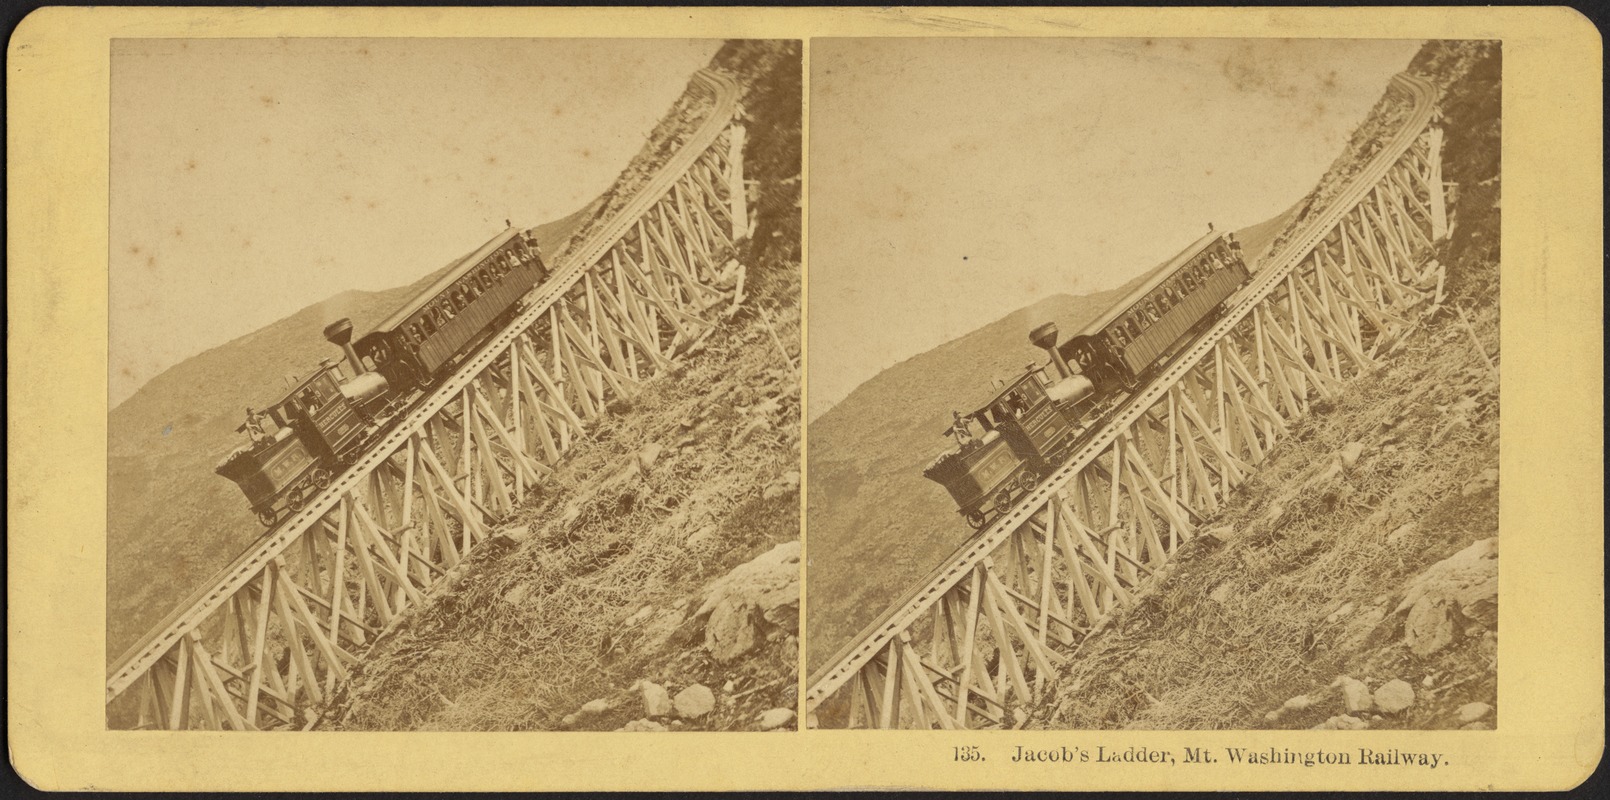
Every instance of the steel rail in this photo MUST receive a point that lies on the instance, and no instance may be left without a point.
(226, 582)
(900, 615)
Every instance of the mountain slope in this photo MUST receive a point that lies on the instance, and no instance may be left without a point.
(866, 498)
(172, 522)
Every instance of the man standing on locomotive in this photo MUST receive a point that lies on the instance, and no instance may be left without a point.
(959, 429)
(254, 427)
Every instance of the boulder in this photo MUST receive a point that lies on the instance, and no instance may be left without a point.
(1351, 453)
(776, 718)
(649, 454)
(646, 725)
(751, 601)
(1342, 723)
(1470, 712)
(730, 631)
(1356, 696)
(1430, 626)
(656, 701)
(1298, 703)
(1394, 696)
(694, 702)
(1460, 588)
(592, 707)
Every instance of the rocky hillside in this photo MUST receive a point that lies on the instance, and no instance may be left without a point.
(172, 522)
(1352, 582)
(867, 500)
(653, 583)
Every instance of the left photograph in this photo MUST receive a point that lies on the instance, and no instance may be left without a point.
(454, 384)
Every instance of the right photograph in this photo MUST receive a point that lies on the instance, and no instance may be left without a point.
(1153, 384)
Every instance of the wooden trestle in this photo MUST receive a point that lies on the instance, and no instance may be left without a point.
(272, 636)
(982, 633)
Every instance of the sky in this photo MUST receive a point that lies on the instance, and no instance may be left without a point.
(251, 178)
(953, 181)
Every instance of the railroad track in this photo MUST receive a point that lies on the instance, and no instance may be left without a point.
(1356, 250)
(640, 271)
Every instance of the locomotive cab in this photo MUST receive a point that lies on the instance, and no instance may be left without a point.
(1025, 435)
(296, 444)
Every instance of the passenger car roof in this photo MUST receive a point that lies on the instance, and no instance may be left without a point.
(454, 272)
(1159, 275)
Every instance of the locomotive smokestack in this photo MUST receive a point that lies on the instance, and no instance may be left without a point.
(1045, 337)
(340, 334)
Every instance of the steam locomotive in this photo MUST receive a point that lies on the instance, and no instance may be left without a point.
(1033, 422)
(300, 441)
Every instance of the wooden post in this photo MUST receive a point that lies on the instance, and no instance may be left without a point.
(1439, 212)
(735, 182)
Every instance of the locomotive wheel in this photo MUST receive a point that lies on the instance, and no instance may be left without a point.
(1028, 480)
(1003, 501)
(976, 519)
(294, 499)
(321, 477)
(267, 518)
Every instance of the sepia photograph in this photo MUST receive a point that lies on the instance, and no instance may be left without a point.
(1039, 399)
(454, 384)
(1159, 391)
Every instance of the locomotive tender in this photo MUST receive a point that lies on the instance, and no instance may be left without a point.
(1034, 421)
(300, 441)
